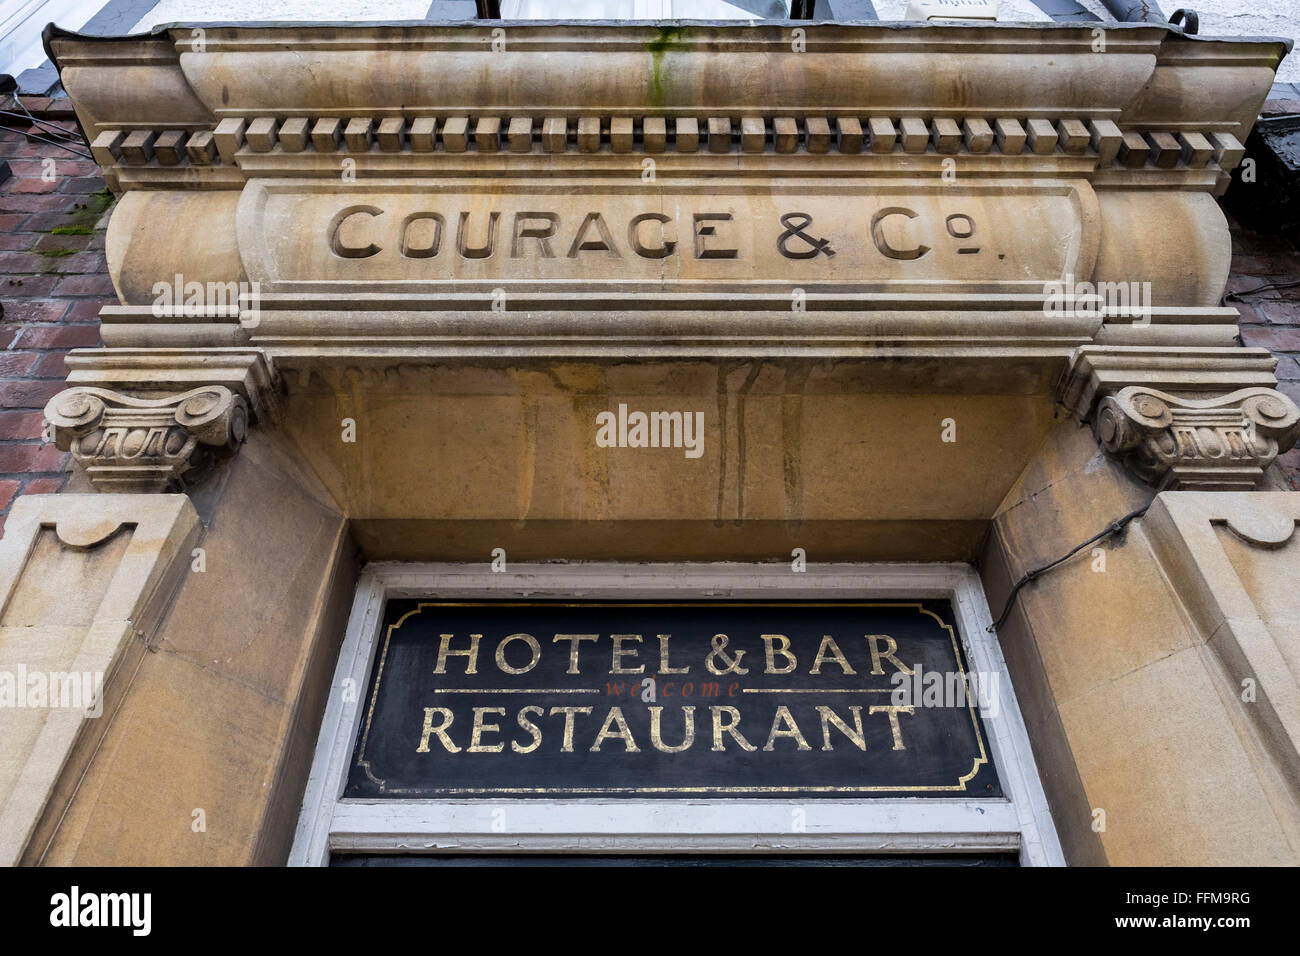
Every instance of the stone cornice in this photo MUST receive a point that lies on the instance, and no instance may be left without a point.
(225, 104)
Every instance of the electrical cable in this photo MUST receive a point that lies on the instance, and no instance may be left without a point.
(51, 142)
(1261, 288)
(1112, 528)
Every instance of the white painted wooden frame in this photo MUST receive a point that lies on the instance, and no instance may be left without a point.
(1019, 822)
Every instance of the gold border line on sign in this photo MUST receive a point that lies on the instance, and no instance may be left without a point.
(960, 785)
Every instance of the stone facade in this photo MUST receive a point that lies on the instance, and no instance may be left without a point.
(423, 309)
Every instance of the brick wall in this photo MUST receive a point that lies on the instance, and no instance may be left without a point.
(53, 281)
(1270, 317)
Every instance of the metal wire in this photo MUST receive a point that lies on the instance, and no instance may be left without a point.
(52, 142)
(1112, 528)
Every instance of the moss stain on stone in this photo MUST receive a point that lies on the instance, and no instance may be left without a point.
(667, 38)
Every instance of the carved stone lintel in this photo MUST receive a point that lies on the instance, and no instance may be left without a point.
(130, 444)
(1177, 443)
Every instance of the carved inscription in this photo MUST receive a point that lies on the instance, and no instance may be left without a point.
(362, 240)
(363, 231)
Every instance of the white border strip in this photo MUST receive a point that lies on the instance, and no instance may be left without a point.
(1021, 822)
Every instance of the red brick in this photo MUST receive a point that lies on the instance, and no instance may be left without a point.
(27, 393)
(1280, 312)
(1240, 282)
(34, 310)
(1280, 107)
(16, 459)
(100, 285)
(1290, 464)
(22, 146)
(21, 425)
(81, 185)
(1273, 338)
(83, 263)
(1246, 312)
(57, 111)
(46, 240)
(16, 263)
(27, 168)
(65, 167)
(41, 205)
(47, 220)
(59, 336)
(1248, 242)
(8, 491)
(51, 365)
(34, 185)
(45, 486)
(10, 221)
(81, 167)
(87, 310)
(17, 364)
(1265, 265)
(30, 286)
(48, 108)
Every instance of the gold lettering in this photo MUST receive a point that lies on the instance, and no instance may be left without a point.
(729, 727)
(441, 730)
(656, 737)
(444, 653)
(769, 640)
(476, 745)
(569, 713)
(783, 716)
(532, 646)
(829, 650)
(574, 640)
(529, 726)
(877, 655)
(624, 733)
(854, 734)
(616, 665)
(892, 711)
(664, 668)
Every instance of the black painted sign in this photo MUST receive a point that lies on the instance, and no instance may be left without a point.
(659, 699)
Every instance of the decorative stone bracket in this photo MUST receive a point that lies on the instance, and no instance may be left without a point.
(142, 444)
(1185, 419)
(1224, 442)
(156, 420)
